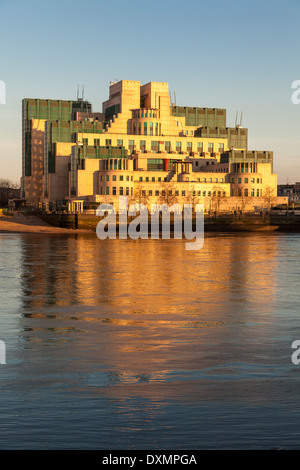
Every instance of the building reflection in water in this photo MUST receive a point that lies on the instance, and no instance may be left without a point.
(142, 314)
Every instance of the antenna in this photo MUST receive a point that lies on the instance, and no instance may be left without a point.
(80, 98)
(238, 124)
(112, 82)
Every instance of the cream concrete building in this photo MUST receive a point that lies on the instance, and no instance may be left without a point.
(144, 147)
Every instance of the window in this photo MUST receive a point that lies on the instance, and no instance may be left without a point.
(121, 177)
(183, 192)
(178, 147)
(127, 177)
(107, 191)
(246, 192)
(252, 193)
(210, 180)
(153, 179)
(176, 192)
(239, 180)
(121, 191)
(150, 192)
(142, 145)
(204, 193)
(210, 147)
(216, 180)
(221, 180)
(168, 147)
(257, 180)
(151, 128)
(246, 180)
(96, 141)
(156, 193)
(200, 147)
(114, 191)
(127, 191)
(145, 128)
(221, 148)
(108, 142)
(114, 177)
(141, 178)
(147, 179)
(154, 146)
(107, 177)
(119, 142)
(159, 179)
(252, 180)
(85, 141)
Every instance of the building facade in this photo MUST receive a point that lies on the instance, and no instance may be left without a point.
(144, 147)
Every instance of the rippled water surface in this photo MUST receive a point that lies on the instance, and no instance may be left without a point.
(123, 344)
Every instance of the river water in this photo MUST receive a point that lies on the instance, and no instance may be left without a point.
(141, 344)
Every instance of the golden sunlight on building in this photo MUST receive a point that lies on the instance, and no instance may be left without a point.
(144, 147)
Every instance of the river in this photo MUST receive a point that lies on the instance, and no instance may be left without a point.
(141, 344)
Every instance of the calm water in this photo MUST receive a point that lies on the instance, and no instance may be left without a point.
(123, 344)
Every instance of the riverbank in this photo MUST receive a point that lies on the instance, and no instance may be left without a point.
(19, 223)
(73, 224)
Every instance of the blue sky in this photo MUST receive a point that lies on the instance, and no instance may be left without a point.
(238, 55)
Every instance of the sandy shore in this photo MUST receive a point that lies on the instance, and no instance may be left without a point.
(20, 223)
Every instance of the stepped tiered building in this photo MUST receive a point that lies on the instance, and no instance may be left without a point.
(142, 146)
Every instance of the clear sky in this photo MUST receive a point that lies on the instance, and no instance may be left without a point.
(238, 55)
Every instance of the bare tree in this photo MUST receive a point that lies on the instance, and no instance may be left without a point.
(168, 194)
(8, 184)
(139, 196)
(191, 197)
(8, 189)
(217, 197)
(269, 197)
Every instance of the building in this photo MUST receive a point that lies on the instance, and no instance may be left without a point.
(144, 147)
(290, 191)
